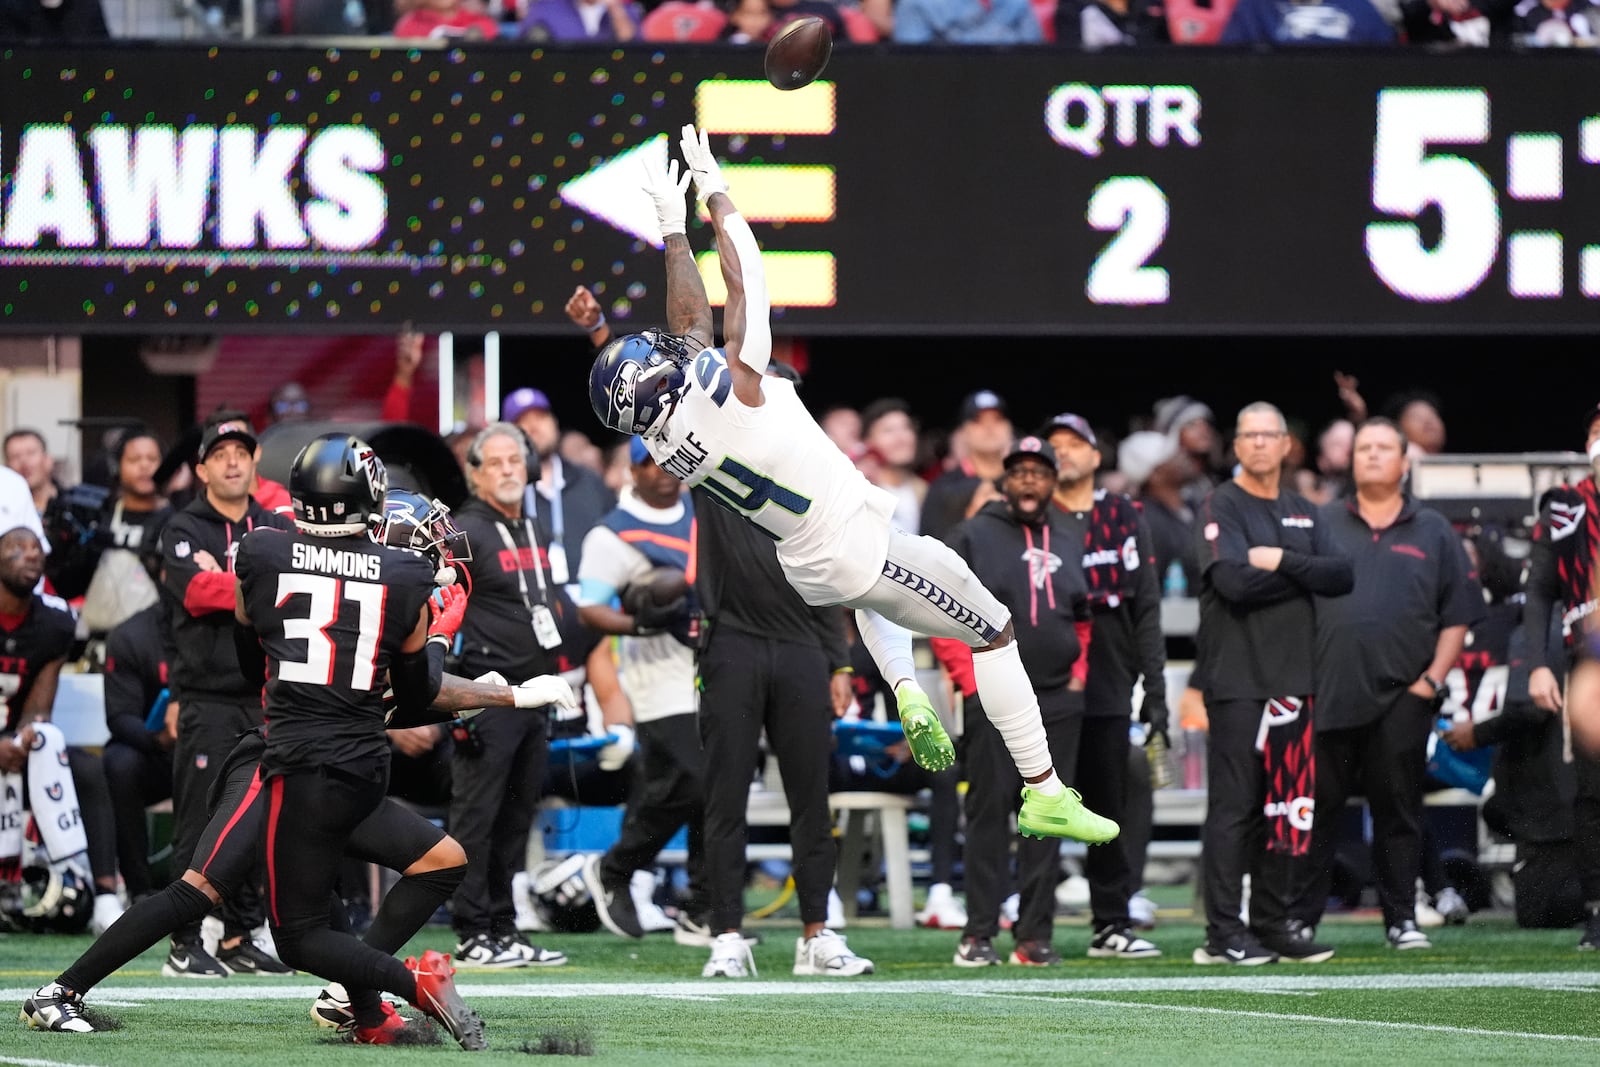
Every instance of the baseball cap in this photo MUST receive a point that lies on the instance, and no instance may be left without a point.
(637, 452)
(229, 429)
(1176, 412)
(524, 399)
(979, 402)
(1075, 423)
(1031, 448)
(1141, 453)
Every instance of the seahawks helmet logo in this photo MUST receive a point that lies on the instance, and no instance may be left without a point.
(622, 393)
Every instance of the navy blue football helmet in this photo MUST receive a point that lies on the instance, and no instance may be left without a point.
(637, 379)
(412, 520)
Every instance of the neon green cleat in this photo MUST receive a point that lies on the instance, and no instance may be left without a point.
(930, 745)
(1062, 815)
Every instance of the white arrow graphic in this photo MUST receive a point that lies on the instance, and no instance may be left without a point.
(614, 191)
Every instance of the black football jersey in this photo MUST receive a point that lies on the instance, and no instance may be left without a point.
(332, 613)
(43, 634)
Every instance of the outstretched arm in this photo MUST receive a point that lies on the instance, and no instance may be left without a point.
(688, 310)
(746, 329)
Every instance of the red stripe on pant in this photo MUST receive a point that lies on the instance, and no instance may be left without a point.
(238, 813)
(273, 810)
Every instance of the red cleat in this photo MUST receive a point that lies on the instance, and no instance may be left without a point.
(437, 996)
(385, 1034)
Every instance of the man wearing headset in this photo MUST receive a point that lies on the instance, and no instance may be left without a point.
(499, 760)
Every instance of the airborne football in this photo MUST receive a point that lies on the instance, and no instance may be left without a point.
(799, 53)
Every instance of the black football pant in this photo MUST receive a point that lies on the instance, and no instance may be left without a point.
(751, 683)
(1586, 822)
(494, 795)
(1385, 761)
(136, 779)
(1233, 841)
(1090, 753)
(668, 795)
(207, 733)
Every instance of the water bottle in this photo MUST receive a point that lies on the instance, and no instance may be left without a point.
(1155, 750)
(1174, 584)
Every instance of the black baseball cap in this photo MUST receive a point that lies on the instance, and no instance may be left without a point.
(977, 403)
(228, 429)
(1031, 448)
(1075, 423)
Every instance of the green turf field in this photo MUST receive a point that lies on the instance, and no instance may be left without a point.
(1488, 993)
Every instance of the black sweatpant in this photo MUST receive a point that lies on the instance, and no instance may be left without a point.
(136, 778)
(96, 814)
(494, 795)
(1233, 842)
(1385, 761)
(1090, 754)
(751, 683)
(1586, 822)
(207, 732)
(668, 794)
(1138, 815)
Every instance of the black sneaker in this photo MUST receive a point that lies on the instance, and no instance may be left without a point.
(976, 952)
(1295, 944)
(55, 1007)
(247, 958)
(1121, 943)
(1035, 954)
(1242, 950)
(615, 906)
(1406, 937)
(1591, 930)
(189, 959)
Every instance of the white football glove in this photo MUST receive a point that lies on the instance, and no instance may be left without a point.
(667, 189)
(546, 689)
(614, 755)
(696, 148)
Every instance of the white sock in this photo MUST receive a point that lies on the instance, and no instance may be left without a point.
(1010, 703)
(889, 644)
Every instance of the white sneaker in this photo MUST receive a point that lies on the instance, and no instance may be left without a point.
(107, 910)
(643, 890)
(1008, 911)
(211, 931)
(730, 957)
(1426, 915)
(1142, 910)
(527, 916)
(1073, 893)
(835, 911)
(943, 910)
(1452, 906)
(481, 950)
(826, 953)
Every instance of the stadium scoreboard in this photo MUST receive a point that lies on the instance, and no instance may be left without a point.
(173, 187)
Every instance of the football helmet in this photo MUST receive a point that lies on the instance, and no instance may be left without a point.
(637, 379)
(561, 896)
(336, 483)
(423, 524)
(49, 897)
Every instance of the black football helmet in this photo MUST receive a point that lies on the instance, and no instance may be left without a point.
(336, 484)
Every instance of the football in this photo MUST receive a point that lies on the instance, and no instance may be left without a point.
(799, 53)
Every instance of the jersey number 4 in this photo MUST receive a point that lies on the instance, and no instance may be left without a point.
(327, 596)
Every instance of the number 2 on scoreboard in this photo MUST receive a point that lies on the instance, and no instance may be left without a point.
(1135, 210)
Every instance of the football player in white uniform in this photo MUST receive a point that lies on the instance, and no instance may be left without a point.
(711, 417)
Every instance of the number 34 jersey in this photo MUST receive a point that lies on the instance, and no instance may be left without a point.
(774, 466)
(332, 613)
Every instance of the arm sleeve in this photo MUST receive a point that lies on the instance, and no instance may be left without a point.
(1543, 592)
(416, 683)
(252, 657)
(1149, 641)
(1224, 558)
(199, 592)
(755, 350)
(406, 717)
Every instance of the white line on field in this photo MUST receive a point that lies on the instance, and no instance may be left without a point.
(1289, 1017)
(37, 1063)
(1280, 981)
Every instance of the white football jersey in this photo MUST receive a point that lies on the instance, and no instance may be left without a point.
(773, 465)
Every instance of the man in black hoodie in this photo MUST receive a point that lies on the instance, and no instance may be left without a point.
(1007, 545)
(216, 703)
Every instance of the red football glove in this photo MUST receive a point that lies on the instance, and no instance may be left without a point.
(446, 606)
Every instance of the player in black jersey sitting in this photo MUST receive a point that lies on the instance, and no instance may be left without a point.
(429, 860)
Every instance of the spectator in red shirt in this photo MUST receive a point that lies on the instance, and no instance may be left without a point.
(447, 18)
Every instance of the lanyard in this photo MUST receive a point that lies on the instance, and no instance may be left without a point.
(538, 571)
